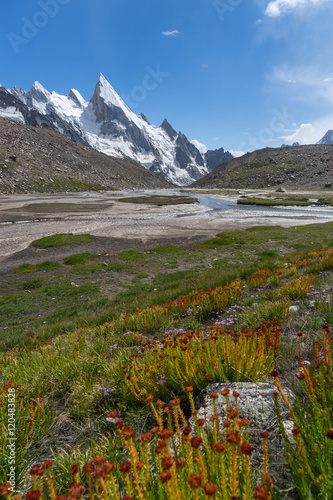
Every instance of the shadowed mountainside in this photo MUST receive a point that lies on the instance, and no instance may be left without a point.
(37, 159)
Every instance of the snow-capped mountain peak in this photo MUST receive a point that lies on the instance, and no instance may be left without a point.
(107, 92)
(327, 138)
(107, 124)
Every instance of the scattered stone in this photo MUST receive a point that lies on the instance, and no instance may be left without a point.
(13, 157)
(328, 185)
(281, 190)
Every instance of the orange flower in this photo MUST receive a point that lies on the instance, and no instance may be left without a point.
(98, 460)
(261, 493)
(234, 437)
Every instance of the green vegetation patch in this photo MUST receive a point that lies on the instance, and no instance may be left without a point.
(31, 268)
(160, 200)
(78, 258)
(132, 255)
(172, 277)
(274, 203)
(62, 239)
(32, 284)
(166, 249)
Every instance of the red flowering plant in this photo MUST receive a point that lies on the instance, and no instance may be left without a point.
(174, 461)
(309, 449)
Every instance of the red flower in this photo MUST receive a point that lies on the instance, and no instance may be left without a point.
(194, 480)
(296, 431)
(219, 447)
(274, 373)
(125, 467)
(264, 435)
(147, 436)
(33, 495)
(74, 469)
(329, 433)
(210, 489)
(165, 476)
(165, 434)
(48, 464)
(88, 468)
(167, 462)
(196, 442)
(246, 448)
(213, 395)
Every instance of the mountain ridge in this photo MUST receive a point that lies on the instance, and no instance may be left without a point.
(107, 124)
(293, 167)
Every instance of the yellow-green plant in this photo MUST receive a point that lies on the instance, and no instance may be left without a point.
(299, 287)
(310, 451)
(172, 462)
(23, 426)
(196, 358)
(199, 304)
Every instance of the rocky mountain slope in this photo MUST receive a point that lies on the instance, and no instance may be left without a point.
(293, 167)
(327, 138)
(38, 159)
(107, 124)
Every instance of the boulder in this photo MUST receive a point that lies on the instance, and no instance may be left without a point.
(255, 402)
(281, 190)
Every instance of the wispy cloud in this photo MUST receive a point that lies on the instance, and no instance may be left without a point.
(171, 33)
(277, 8)
(306, 83)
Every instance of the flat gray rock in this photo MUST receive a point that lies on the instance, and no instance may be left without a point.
(256, 403)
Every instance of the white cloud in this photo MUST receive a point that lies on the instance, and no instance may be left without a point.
(205, 66)
(202, 147)
(236, 154)
(171, 33)
(328, 79)
(258, 21)
(310, 133)
(280, 7)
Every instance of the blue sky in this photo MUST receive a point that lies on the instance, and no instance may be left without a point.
(242, 74)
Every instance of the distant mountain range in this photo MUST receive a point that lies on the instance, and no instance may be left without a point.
(106, 124)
